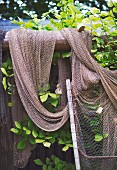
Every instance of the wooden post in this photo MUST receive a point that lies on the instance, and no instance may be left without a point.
(72, 124)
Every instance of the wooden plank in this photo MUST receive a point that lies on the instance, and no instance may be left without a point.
(6, 144)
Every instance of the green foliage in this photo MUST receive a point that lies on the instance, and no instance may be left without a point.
(99, 137)
(101, 24)
(54, 163)
(47, 97)
(7, 72)
(29, 132)
(36, 7)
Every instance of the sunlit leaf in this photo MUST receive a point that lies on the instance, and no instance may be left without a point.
(39, 140)
(28, 132)
(44, 97)
(53, 95)
(16, 131)
(34, 133)
(47, 144)
(86, 21)
(48, 137)
(10, 104)
(4, 71)
(104, 14)
(105, 135)
(98, 137)
(110, 3)
(17, 124)
(65, 148)
(95, 10)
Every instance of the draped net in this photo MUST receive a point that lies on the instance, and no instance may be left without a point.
(94, 92)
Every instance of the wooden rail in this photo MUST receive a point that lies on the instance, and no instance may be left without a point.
(61, 45)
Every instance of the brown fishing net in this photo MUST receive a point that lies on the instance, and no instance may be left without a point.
(94, 91)
(95, 106)
(31, 53)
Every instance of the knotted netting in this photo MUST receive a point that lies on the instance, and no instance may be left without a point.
(94, 93)
(94, 107)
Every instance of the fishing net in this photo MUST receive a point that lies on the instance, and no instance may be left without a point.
(94, 108)
(94, 93)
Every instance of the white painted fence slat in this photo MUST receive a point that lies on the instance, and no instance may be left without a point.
(72, 124)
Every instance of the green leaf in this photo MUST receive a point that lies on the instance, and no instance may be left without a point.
(93, 18)
(47, 144)
(54, 102)
(9, 63)
(42, 93)
(105, 135)
(30, 124)
(98, 137)
(48, 137)
(39, 140)
(110, 3)
(65, 148)
(32, 141)
(65, 55)
(44, 97)
(28, 132)
(61, 142)
(4, 65)
(114, 33)
(52, 140)
(94, 122)
(29, 24)
(70, 145)
(45, 88)
(4, 72)
(86, 21)
(9, 104)
(16, 131)
(21, 145)
(41, 135)
(47, 161)
(108, 18)
(104, 14)
(45, 167)
(17, 124)
(34, 133)
(95, 10)
(4, 82)
(57, 161)
(53, 95)
(38, 162)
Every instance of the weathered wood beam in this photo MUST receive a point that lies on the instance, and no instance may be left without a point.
(61, 45)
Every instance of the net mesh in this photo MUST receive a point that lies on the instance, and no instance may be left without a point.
(96, 124)
(95, 97)
(94, 90)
